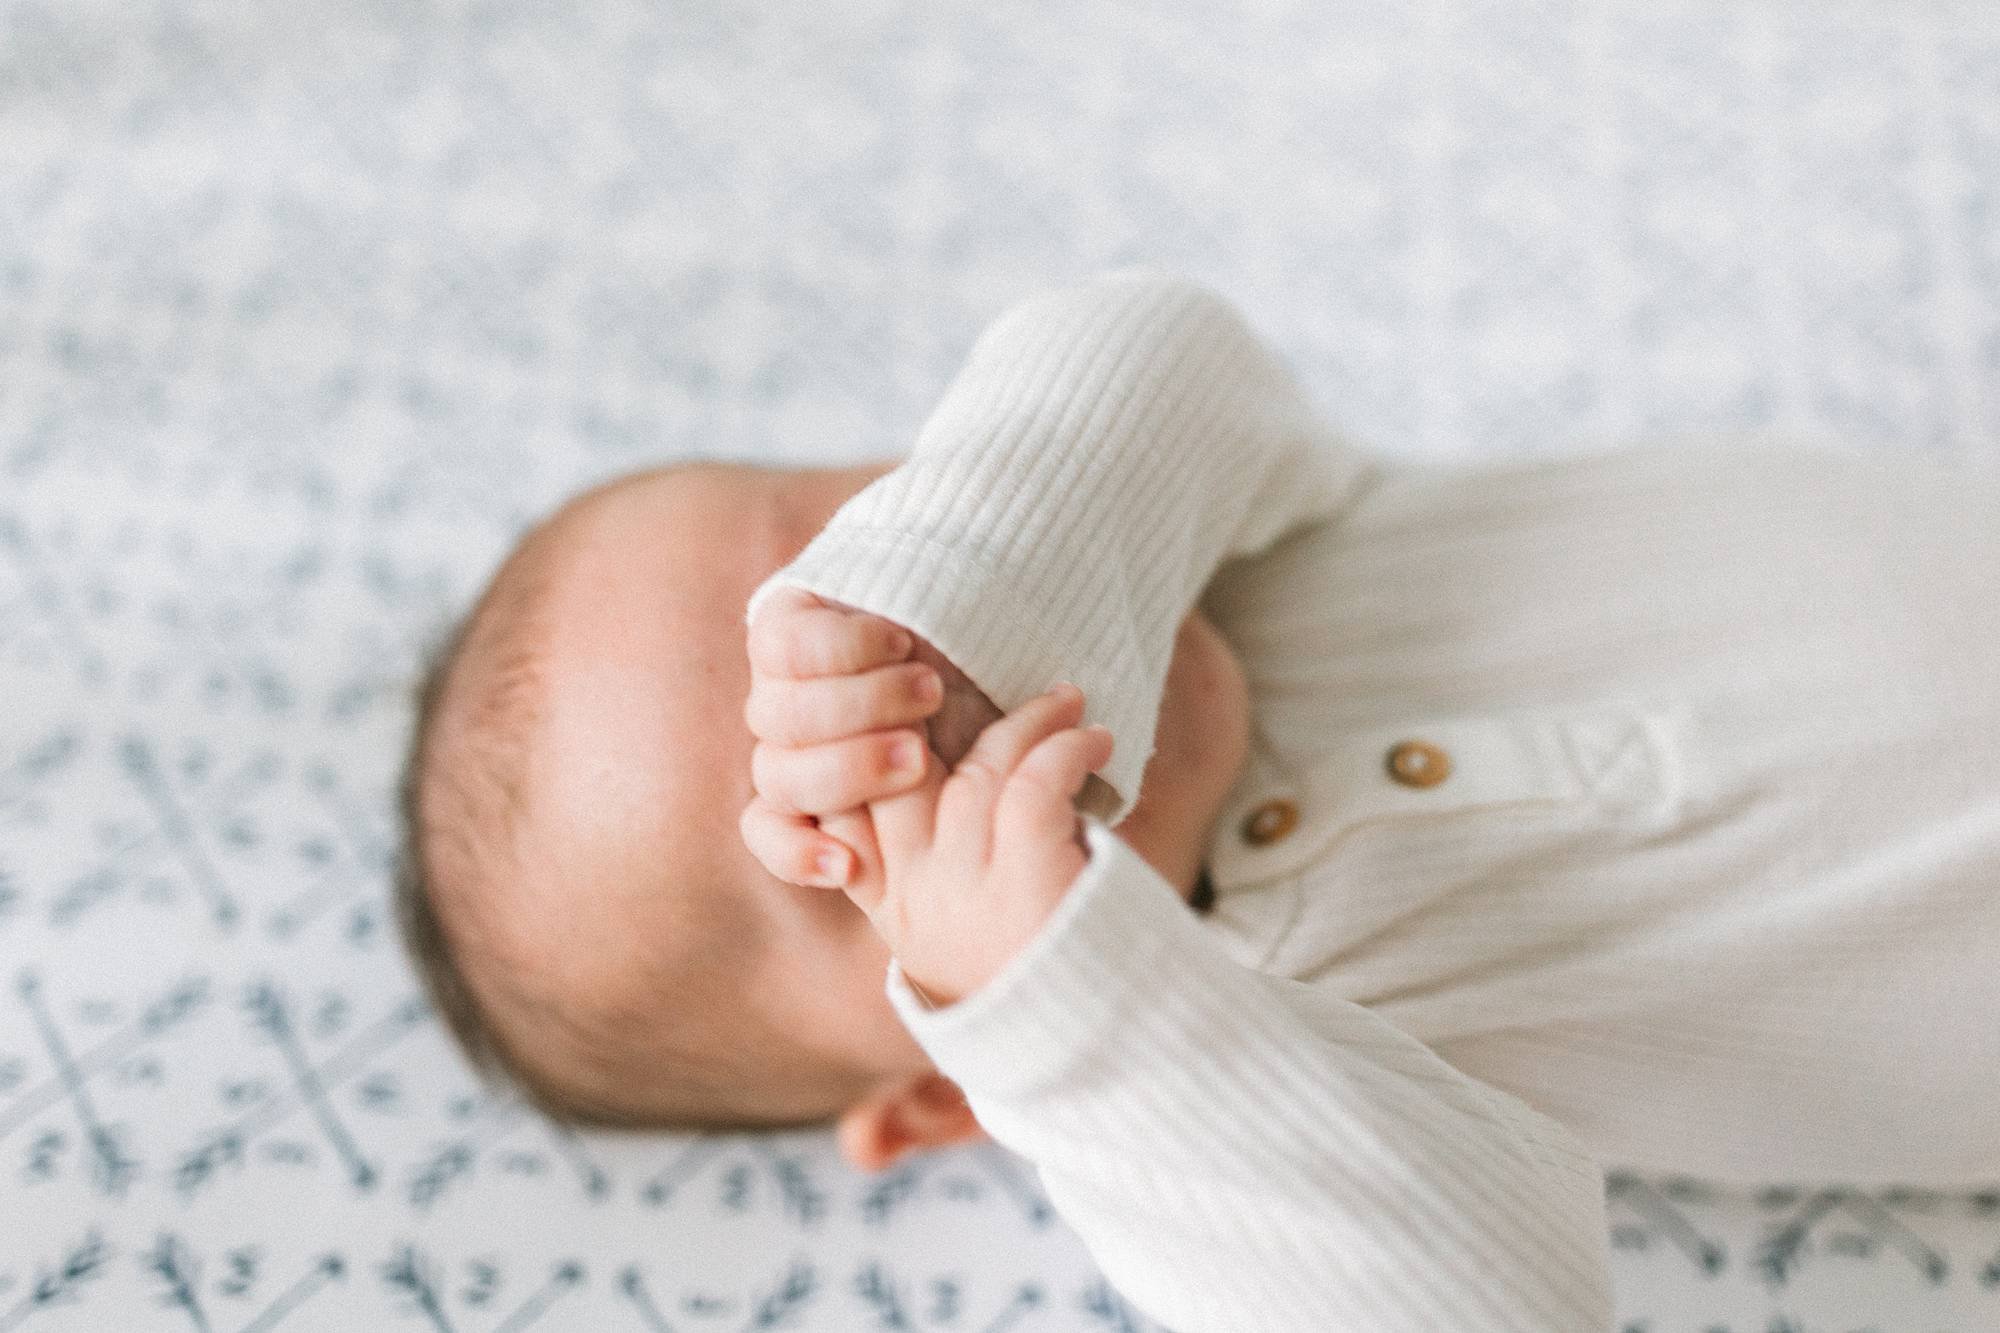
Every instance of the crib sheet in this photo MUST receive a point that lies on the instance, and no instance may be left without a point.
(305, 310)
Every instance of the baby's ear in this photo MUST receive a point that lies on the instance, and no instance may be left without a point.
(906, 1114)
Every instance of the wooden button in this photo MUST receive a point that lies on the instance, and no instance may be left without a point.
(1418, 763)
(1269, 822)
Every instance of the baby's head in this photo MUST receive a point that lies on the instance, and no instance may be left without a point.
(575, 891)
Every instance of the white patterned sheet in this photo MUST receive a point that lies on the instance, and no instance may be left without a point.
(304, 310)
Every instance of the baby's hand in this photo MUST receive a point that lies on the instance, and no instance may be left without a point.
(837, 709)
(974, 862)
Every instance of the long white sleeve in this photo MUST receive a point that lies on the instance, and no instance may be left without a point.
(1103, 450)
(1242, 1152)
(1238, 1151)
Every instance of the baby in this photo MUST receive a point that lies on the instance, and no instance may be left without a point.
(579, 899)
(1483, 826)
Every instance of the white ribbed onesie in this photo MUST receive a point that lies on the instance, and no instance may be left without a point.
(1712, 884)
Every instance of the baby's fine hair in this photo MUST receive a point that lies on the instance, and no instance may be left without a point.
(471, 863)
(424, 938)
(477, 787)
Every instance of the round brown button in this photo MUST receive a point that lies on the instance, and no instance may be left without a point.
(1269, 822)
(1418, 763)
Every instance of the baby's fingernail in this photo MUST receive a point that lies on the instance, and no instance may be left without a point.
(907, 755)
(1064, 687)
(900, 642)
(930, 687)
(832, 864)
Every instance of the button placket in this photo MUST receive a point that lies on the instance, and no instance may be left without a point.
(1417, 763)
(1269, 821)
(1279, 822)
(1260, 833)
(1440, 766)
(1262, 837)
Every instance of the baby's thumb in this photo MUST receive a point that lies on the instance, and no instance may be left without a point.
(1038, 804)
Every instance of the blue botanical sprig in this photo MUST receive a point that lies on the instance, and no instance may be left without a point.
(175, 1265)
(84, 1262)
(875, 1287)
(799, 1284)
(410, 1274)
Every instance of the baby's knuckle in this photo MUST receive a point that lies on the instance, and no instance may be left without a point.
(784, 724)
(977, 771)
(1023, 782)
(1034, 780)
(773, 640)
(757, 712)
(802, 655)
(771, 773)
(903, 688)
(833, 638)
(885, 756)
(898, 642)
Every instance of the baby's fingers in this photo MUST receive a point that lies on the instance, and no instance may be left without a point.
(811, 712)
(1038, 804)
(967, 803)
(799, 636)
(793, 848)
(839, 775)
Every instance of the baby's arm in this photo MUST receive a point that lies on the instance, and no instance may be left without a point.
(824, 736)
(1238, 1151)
(1105, 448)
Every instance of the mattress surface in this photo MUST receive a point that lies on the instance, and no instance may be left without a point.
(305, 311)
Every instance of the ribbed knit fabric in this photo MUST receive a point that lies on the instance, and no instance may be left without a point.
(1242, 1151)
(1101, 452)
(1710, 884)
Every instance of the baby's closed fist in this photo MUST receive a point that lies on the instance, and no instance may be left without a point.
(973, 863)
(838, 712)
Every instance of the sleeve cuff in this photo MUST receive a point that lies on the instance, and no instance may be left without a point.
(1065, 993)
(968, 612)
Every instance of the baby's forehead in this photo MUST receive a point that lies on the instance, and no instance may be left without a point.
(616, 664)
(583, 765)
